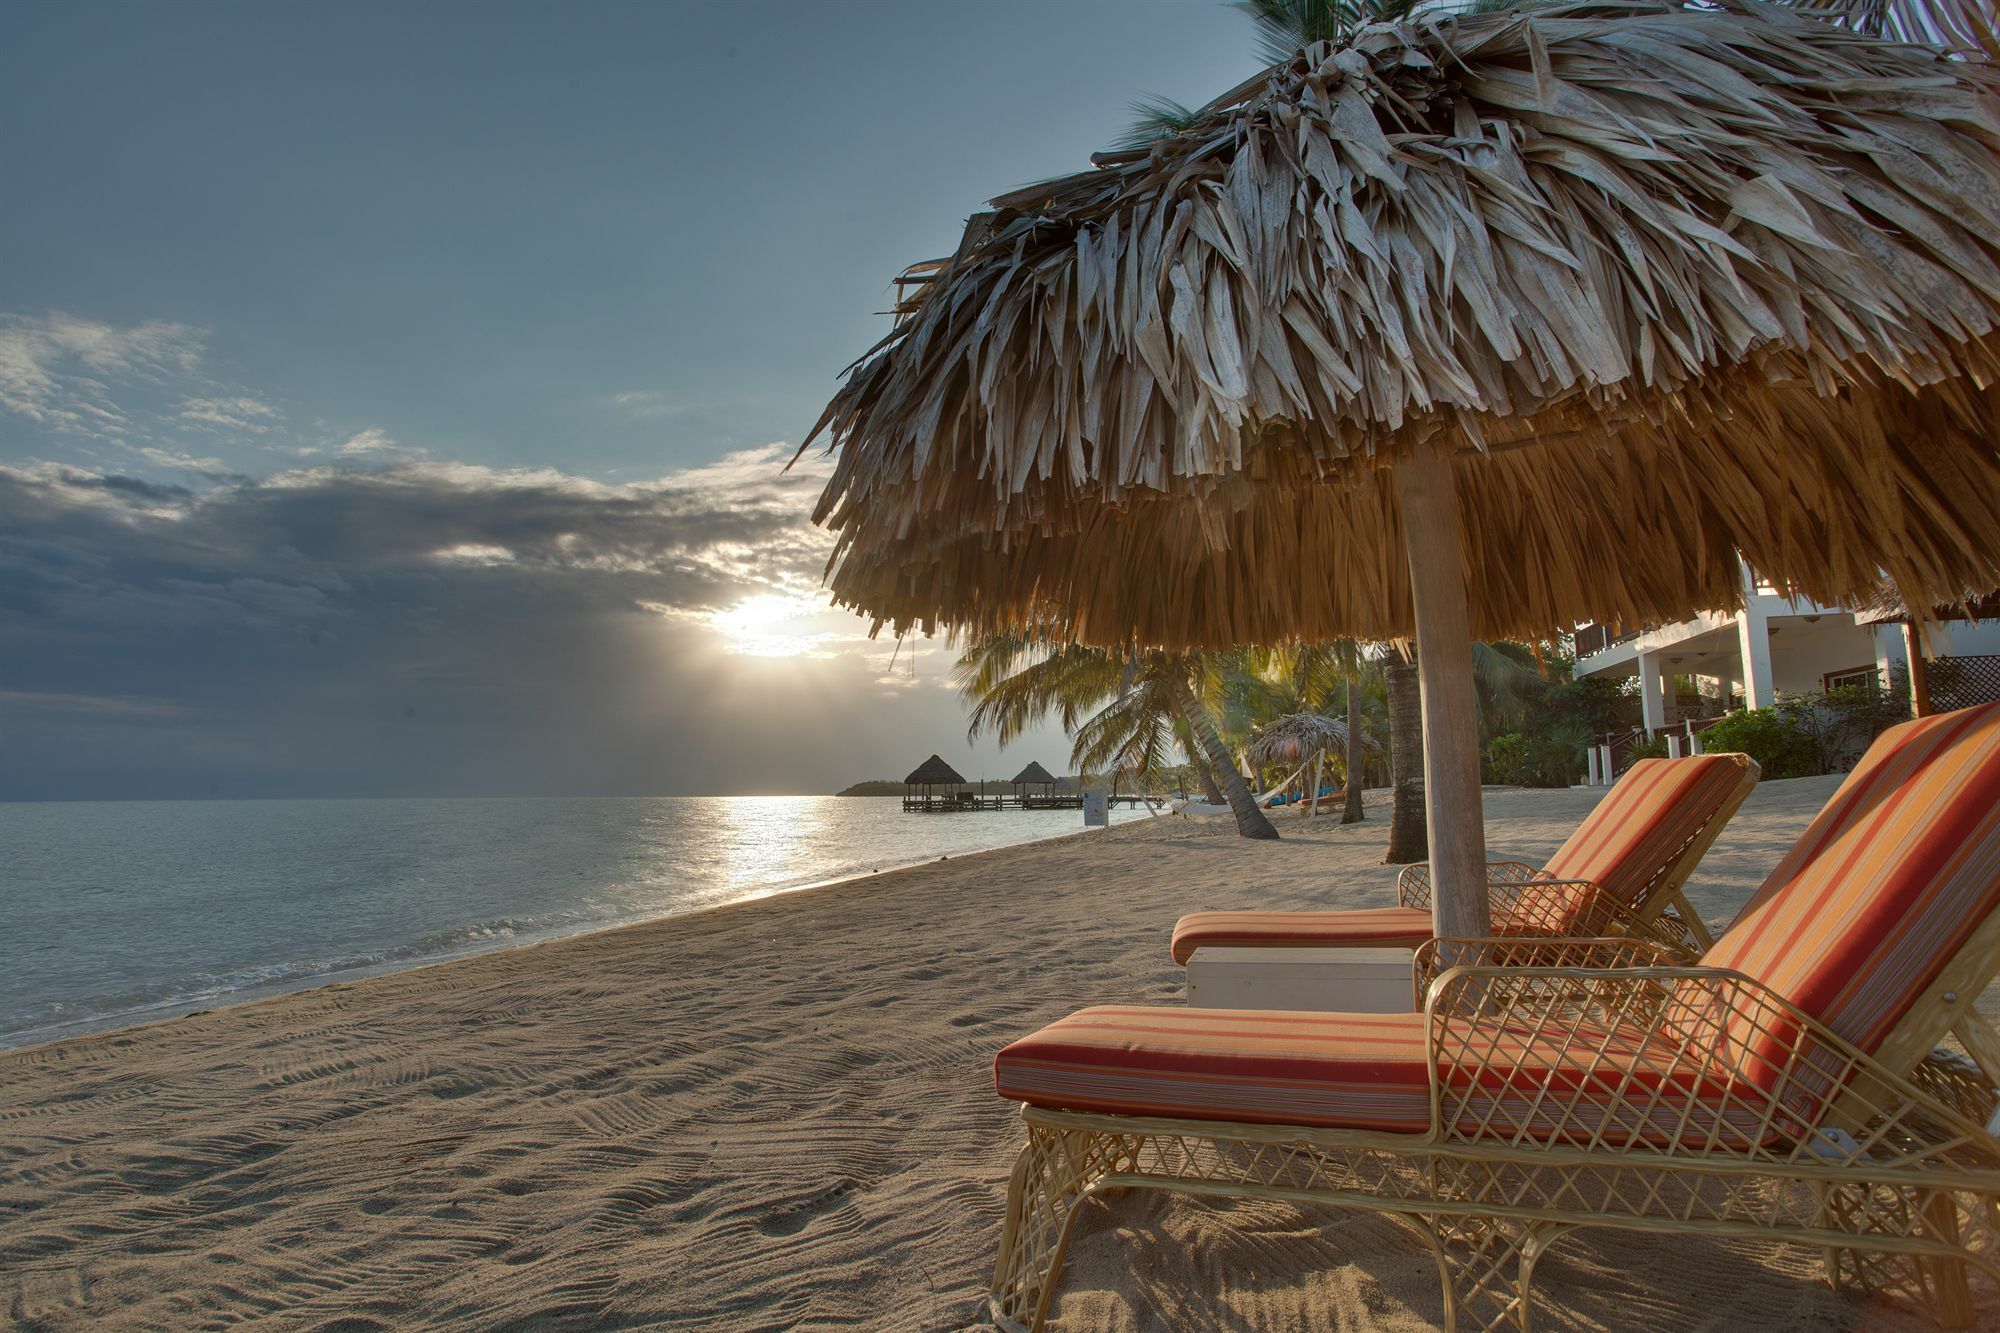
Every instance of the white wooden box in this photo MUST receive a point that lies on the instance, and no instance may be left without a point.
(1350, 981)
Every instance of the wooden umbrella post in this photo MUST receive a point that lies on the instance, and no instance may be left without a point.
(1444, 674)
(1920, 676)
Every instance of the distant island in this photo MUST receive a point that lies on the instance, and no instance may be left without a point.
(873, 787)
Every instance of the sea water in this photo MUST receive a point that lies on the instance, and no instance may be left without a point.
(121, 911)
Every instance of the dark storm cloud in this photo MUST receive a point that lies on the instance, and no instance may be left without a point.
(425, 627)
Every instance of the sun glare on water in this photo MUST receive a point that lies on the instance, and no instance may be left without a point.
(771, 625)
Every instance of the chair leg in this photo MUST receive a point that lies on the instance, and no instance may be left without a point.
(1055, 1173)
(1488, 1265)
(1950, 1285)
(1938, 1283)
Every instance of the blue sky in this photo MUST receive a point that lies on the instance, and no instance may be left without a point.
(391, 395)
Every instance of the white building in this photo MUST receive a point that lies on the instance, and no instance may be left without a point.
(1774, 645)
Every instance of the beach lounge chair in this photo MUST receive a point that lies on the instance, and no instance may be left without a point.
(1786, 1087)
(1620, 873)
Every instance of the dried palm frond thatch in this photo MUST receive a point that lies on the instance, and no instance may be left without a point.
(934, 771)
(1297, 737)
(1667, 283)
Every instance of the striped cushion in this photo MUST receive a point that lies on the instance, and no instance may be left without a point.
(1624, 846)
(1360, 1071)
(1632, 837)
(1894, 874)
(1646, 820)
(1373, 927)
(1367, 1072)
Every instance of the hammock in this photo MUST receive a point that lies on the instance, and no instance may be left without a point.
(1192, 807)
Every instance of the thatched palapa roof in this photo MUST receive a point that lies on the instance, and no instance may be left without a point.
(933, 772)
(1034, 772)
(1887, 607)
(1297, 737)
(1668, 283)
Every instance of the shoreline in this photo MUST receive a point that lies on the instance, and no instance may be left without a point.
(169, 1010)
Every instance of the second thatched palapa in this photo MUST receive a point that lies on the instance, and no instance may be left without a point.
(1297, 737)
(1643, 285)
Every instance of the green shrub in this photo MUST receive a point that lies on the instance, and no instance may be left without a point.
(1503, 759)
(1844, 721)
(1551, 757)
(1773, 738)
(1655, 748)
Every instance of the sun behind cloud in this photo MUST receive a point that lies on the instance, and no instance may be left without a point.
(773, 625)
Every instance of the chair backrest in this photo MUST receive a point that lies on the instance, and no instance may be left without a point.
(1887, 884)
(1637, 833)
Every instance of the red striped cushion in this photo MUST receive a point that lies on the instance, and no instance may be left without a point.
(1360, 1071)
(1372, 927)
(1890, 879)
(1371, 1072)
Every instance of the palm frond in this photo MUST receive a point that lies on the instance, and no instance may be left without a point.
(1154, 117)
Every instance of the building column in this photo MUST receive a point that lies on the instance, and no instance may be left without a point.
(1652, 693)
(1753, 641)
(1590, 761)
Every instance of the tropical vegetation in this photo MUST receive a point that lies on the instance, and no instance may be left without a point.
(1804, 735)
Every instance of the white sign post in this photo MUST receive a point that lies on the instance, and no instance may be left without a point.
(1096, 808)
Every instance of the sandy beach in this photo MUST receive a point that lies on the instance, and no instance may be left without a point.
(772, 1115)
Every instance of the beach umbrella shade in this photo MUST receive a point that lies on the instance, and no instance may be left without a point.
(1486, 324)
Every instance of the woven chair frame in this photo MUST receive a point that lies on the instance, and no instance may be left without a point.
(1596, 1093)
(1535, 903)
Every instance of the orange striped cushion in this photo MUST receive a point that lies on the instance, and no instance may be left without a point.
(1623, 846)
(1370, 1072)
(1893, 875)
(1360, 1071)
(1648, 818)
(1366, 928)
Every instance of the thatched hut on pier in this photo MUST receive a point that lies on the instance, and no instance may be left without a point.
(1035, 786)
(922, 787)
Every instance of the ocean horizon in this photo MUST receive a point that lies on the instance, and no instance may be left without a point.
(128, 911)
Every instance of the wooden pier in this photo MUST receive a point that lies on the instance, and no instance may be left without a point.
(935, 788)
(953, 802)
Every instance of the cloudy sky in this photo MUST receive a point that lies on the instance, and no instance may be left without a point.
(393, 398)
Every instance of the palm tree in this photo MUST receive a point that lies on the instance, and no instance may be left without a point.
(1409, 836)
(1154, 117)
(1210, 790)
(1283, 26)
(1506, 677)
(1124, 712)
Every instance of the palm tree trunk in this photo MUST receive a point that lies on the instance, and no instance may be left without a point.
(1250, 821)
(1203, 772)
(1211, 789)
(1352, 813)
(1408, 839)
